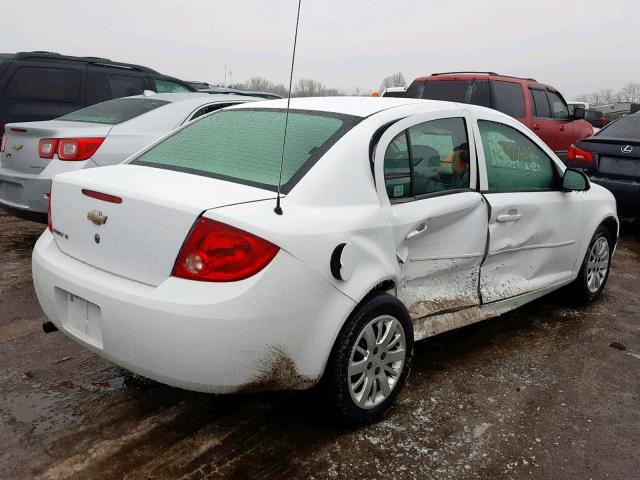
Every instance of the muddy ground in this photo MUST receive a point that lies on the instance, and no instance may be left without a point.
(538, 393)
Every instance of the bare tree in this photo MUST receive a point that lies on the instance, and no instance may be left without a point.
(395, 80)
(306, 87)
(629, 93)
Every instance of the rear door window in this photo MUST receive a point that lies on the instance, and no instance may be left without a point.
(480, 93)
(513, 161)
(508, 98)
(167, 86)
(45, 84)
(559, 108)
(431, 157)
(245, 145)
(540, 103)
(110, 86)
(114, 111)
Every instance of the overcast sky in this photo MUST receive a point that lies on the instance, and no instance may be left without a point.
(577, 46)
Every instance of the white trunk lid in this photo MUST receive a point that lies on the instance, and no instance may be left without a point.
(142, 235)
(23, 138)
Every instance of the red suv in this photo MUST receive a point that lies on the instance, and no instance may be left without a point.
(540, 107)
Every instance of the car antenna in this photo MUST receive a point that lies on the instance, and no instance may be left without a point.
(278, 208)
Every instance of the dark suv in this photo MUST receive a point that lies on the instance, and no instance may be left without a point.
(42, 85)
(540, 107)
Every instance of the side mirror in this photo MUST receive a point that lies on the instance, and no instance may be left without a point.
(578, 113)
(575, 181)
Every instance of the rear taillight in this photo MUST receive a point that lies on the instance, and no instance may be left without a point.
(78, 148)
(49, 221)
(578, 154)
(216, 252)
(47, 147)
(4, 142)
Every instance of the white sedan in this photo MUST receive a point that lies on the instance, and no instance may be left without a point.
(103, 134)
(400, 219)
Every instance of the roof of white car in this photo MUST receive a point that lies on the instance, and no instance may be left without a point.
(358, 106)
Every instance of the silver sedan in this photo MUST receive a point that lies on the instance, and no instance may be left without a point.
(103, 134)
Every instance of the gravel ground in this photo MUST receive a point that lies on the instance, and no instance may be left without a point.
(537, 393)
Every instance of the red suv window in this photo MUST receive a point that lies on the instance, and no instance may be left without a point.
(508, 98)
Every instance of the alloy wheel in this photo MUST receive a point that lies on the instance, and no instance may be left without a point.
(597, 264)
(376, 361)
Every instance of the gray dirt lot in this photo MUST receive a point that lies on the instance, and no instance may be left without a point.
(538, 393)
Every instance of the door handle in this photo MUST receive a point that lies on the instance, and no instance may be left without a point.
(509, 217)
(562, 128)
(536, 126)
(418, 231)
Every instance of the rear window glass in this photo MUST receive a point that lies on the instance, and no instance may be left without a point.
(245, 146)
(45, 84)
(626, 128)
(114, 111)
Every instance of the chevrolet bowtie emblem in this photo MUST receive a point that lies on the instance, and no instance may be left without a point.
(96, 217)
(18, 146)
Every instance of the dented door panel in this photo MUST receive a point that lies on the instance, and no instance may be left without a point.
(532, 242)
(441, 264)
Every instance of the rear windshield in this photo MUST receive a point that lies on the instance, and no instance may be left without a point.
(113, 112)
(626, 128)
(245, 145)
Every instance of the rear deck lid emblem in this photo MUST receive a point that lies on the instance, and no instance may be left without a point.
(96, 217)
(18, 146)
(627, 149)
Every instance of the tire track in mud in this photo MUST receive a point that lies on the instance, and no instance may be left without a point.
(167, 442)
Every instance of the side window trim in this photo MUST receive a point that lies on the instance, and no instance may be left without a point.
(412, 168)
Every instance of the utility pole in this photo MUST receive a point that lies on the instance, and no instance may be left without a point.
(225, 76)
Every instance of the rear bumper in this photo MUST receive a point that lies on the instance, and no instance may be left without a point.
(272, 331)
(627, 193)
(24, 192)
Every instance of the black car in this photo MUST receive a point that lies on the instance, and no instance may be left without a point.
(611, 158)
(43, 85)
(595, 118)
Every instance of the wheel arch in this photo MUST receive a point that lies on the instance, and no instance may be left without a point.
(612, 224)
(384, 285)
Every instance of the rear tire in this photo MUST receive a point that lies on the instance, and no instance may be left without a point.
(594, 271)
(370, 361)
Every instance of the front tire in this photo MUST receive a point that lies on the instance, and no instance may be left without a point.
(594, 271)
(370, 361)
